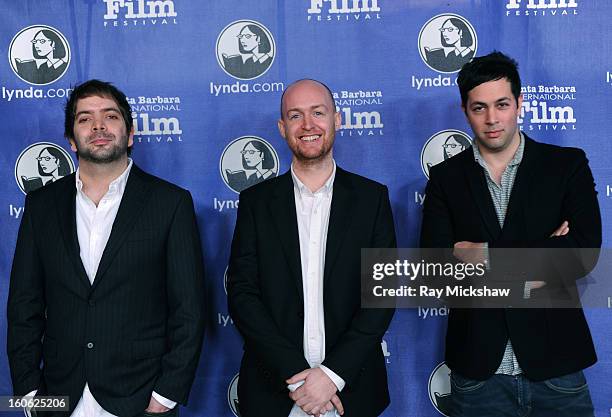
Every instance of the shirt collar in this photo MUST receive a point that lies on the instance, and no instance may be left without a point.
(117, 186)
(326, 189)
(516, 159)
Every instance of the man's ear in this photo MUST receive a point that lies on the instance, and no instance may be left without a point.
(72, 144)
(281, 128)
(337, 120)
(131, 138)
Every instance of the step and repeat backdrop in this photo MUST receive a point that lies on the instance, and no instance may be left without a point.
(204, 79)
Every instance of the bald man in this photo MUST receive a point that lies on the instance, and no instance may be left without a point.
(294, 276)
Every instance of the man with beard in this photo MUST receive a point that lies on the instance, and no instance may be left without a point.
(115, 309)
(294, 276)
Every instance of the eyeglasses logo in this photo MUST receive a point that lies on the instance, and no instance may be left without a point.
(447, 42)
(39, 54)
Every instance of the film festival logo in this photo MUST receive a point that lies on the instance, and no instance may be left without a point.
(39, 54)
(40, 164)
(442, 146)
(139, 13)
(446, 42)
(440, 389)
(343, 10)
(247, 161)
(245, 49)
(541, 7)
(232, 396)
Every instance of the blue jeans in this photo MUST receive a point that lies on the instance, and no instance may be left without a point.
(516, 396)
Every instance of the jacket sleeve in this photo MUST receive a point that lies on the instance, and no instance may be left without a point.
(26, 310)
(186, 312)
(250, 314)
(369, 325)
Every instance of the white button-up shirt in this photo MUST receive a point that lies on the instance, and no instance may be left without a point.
(94, 225)
(312, 210)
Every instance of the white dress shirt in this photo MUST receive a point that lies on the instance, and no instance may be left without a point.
(312, 210)
(94, 225)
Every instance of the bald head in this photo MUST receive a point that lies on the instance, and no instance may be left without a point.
(307, 83)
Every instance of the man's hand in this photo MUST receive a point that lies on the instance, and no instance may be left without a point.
(470, 252)
(316, 394)
(156, 407)
(561, 230)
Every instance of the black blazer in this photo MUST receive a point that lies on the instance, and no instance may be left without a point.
(266, 299)
(137, 329)
(553, 184)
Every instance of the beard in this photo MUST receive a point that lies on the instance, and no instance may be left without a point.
(107, 155)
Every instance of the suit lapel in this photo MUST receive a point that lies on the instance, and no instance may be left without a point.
(66, 210)
(282, 210)
(339, 218)
(478, 185)
(520, 191)
(133, 202)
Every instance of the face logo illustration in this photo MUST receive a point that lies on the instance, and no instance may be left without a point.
(40, 164)
(446, 42)
(232, 396)
(245, 49)
(440, 389)
(247, 161)
(39, 54)
(442, 146)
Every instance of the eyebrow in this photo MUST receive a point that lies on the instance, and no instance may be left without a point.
(484, 103)
(107, 109)
(310, 108)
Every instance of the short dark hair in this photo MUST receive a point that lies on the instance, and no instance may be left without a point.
(264, 42)
(331, 95)
(100, 89)
(466, 37)
(491, 67)
(58, 52)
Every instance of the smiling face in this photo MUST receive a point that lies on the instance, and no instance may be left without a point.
(47, 162)
(248, 40)
(492, 112)
(309, 121)
(42, 45)
(100, 134)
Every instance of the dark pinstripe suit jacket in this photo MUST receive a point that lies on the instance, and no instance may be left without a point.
(138, 328)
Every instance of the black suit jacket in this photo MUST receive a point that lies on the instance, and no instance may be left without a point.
(266, 295)
(137, 329)
(553, 184)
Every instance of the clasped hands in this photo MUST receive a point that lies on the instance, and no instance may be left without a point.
(473, 252)
(317, 395)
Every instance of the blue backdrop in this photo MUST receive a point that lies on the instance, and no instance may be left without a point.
(205, 79)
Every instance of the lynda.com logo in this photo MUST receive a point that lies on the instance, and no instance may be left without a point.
(245, 49)
(39, 54)
(440, 389)
(442, 146)
(40, 164)
(247, 161)
(447, 42)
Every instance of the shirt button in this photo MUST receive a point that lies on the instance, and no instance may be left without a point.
(90, 345)
(91, 303)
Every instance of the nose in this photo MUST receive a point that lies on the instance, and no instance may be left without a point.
(307, 122)
(98, 124)
(491, 116)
